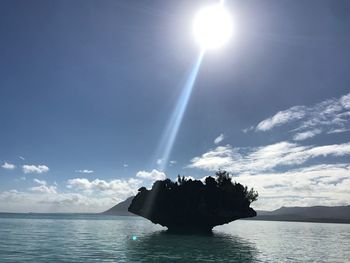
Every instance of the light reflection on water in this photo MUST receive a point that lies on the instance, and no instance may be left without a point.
(91, 238)
(164, 247)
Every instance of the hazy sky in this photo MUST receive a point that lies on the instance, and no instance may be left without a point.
(87, 89)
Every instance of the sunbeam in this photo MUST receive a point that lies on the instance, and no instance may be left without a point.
(212, 28)
(172, 128)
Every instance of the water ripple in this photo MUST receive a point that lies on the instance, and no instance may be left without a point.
(90, 238)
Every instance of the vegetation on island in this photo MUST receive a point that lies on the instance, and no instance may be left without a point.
(192, 205)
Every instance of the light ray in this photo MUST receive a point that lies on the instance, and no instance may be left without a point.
(172, 128)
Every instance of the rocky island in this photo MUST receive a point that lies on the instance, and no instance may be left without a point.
(193, 206)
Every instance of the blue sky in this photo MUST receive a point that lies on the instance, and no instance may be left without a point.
(88, 87)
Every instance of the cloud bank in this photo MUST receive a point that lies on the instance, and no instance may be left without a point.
(264, 158)
(304, 122)
(285, 173)
(325, 184)
(43, 187)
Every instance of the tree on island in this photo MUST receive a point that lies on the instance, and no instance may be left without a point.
(193, 206)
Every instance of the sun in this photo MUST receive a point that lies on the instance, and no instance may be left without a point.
(212, 27)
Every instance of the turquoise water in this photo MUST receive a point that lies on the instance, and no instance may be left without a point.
(92, 238)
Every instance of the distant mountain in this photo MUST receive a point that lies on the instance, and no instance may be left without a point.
(120, 209)
(323, 214)
(326, 214)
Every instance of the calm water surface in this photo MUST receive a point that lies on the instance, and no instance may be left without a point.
(91, 238)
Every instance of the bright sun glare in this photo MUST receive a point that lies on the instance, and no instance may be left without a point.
(212, 27)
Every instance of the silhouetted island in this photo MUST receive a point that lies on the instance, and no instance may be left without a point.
(194, 206)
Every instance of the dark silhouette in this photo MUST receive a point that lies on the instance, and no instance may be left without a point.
(120, 209)
(320, 214)
(191, 206)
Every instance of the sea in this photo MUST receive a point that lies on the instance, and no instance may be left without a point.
(97, 238)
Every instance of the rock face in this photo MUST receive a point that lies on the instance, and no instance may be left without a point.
(193, 206)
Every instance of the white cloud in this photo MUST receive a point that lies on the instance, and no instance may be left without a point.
(153, 175)
(43, 187)
(338, 130)
(282, 117)
(325, 184)
(8, 166)
(173, 162)
(41, 202)
(264, 158)
(329, 116)
(125, 165)
(35, 169)
(159, 161)
(118, 187)
(21, 157)
(85, 171)
(221, 157)
(83, 196)
(306, 135)
(251, 128)
(345, 101)
(219, 139)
